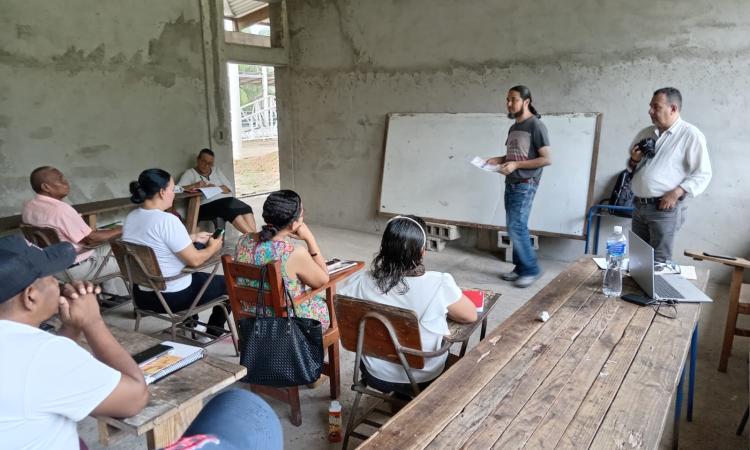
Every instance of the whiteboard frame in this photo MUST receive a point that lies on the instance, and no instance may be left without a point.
(589, 196)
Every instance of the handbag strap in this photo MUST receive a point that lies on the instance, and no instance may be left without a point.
(289, 302)
(260, 304)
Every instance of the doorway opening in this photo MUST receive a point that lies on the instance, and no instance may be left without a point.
(254, 129)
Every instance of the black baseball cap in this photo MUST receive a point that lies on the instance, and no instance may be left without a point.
(22, 263)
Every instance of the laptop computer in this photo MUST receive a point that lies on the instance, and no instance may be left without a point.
(659, 287)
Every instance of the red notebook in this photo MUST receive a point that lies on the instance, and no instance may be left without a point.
(476, 296)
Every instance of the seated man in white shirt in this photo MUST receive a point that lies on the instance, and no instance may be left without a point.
(48, 381)
(669, 167)
(47, 209)
(222, 205)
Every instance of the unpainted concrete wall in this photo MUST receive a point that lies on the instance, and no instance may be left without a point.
(354, 61)
(101, 90)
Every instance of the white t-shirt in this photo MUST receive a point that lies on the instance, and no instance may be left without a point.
(429, 297)
(216, 177)
(47, 384)
(167, 236)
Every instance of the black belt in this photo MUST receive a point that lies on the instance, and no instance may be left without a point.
(646, 201)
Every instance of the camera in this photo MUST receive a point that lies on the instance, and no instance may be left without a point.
(647, 147)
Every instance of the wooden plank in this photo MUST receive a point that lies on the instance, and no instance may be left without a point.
(562, 391)
(506, 379)
(259, 15)
(563, 406)
(442, 401)
(699, 256)
(581, 330)
(649, 384)
(237, 37)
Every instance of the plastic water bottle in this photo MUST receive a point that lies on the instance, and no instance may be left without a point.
(617, 245)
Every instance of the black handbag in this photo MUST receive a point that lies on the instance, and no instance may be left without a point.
(280, 351)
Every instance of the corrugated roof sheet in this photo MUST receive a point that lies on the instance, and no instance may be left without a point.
(239, 8)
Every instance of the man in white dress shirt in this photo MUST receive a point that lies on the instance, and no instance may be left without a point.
(677, 167)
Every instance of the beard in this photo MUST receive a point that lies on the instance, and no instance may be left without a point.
(515, 115)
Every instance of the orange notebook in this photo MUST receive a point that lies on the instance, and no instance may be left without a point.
(476, 296)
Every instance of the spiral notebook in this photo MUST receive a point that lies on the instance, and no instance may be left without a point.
(180, 356)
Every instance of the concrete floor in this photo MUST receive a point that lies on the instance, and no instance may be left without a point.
(720, 398)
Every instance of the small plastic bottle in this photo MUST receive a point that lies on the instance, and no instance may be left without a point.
(617, 245)
(334, 421)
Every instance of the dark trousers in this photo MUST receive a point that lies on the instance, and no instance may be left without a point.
(227, 208)
(181, 300)
(386, 387)
(659, 227)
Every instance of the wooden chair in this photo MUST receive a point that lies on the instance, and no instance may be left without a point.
(242, 296)
(139, 265)
(739, 301)
(45, 236)
(383, 332)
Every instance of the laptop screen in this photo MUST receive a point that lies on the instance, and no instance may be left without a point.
(642, 263)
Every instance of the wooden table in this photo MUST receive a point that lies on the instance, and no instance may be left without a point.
(735, 306)
(461, 332)
(90, 210)
(175, 400)
(600, 373)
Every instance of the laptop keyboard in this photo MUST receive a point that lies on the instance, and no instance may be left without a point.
(664, 289)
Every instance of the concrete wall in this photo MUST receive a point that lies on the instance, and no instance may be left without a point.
(354, 61)
(102, 90)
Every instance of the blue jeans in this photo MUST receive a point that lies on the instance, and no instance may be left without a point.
(234, 419)
(518, 200)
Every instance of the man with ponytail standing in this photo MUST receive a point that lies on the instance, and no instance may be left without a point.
(527, 152)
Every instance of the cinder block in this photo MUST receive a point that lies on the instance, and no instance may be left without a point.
(503, 240)
(435, 244)
(442, 231)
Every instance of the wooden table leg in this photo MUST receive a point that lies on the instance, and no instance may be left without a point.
(167, 431)
(731, 325)
(90, 220)
(191, 217)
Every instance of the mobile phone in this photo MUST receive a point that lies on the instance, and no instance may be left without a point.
(713, 255)
(151, 353)
(218, 233)
(332, 261)
(639, 300)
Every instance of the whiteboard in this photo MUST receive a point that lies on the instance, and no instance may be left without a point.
(426, 170)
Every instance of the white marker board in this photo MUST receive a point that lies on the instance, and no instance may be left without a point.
(426, 170)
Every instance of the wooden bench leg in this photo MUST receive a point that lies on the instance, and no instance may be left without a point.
(731, 325)
(171, 429)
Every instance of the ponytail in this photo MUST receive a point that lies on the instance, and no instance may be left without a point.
(280, 209)
(267, 232)
(149, 183)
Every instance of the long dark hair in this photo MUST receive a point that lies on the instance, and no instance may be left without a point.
(525, 94)
(149, 183)
(279, 210)
(400, 254)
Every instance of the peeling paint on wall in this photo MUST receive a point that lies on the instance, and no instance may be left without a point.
(93, 150)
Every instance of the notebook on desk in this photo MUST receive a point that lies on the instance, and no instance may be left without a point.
(336, 265)
(180, 356)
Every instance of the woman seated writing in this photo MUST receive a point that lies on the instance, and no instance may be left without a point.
(398, 278)
(300, 267)
(152, 226)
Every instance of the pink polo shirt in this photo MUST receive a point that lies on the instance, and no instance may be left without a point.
(43, 211)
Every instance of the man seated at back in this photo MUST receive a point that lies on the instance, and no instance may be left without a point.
(48, 381)
(47, 209)
(222, 205)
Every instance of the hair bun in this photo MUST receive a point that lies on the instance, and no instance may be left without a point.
(137, 194)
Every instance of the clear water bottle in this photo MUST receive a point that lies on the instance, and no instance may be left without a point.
(617, 246)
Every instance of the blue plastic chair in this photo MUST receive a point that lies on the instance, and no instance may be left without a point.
(598, 211)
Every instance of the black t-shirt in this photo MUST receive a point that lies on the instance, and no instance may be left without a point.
(523, 143)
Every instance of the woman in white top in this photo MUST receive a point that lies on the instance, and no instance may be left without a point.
(152, 226)
(398, 278)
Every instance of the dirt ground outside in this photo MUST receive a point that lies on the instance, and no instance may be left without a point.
(256, 171)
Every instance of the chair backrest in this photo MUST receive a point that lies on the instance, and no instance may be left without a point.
(137, 262)
(377, 342)
(241, 296)
(39, 236)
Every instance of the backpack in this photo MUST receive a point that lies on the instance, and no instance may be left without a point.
(622, 195)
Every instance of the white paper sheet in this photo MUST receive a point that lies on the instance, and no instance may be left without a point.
(481, 163)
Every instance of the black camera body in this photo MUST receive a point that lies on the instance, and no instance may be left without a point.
(647, 147)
